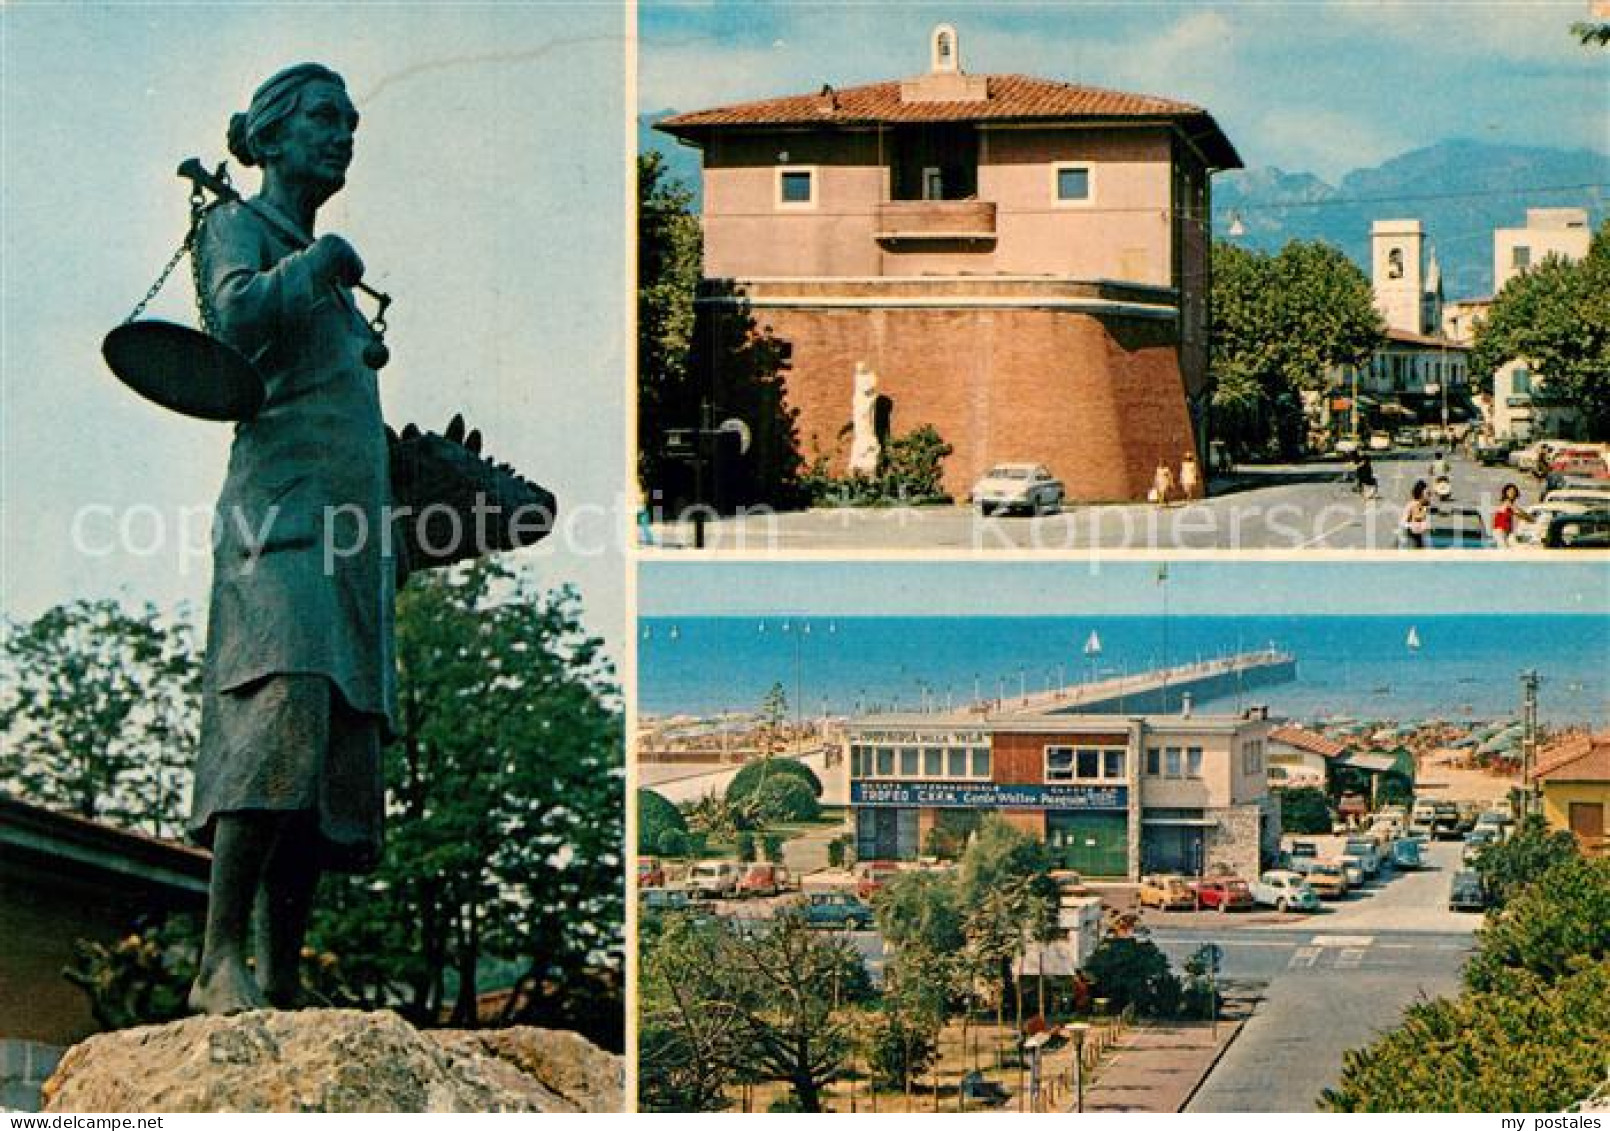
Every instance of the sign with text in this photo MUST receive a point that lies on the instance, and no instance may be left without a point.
(986, 795)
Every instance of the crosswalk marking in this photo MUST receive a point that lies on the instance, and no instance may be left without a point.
(1351, 958)
(1304, 957)
(1342, 940)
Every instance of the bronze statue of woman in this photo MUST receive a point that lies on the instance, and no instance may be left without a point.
(300, 683)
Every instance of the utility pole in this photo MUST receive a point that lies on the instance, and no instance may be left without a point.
(1530, 681)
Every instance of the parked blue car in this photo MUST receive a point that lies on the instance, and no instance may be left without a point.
(1406, 854)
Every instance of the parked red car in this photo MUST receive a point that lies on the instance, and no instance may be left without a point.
(763, 880)
(1228, 894)
(650, 873)
(871, 876)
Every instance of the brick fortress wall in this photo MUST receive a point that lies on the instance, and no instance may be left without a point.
(1090, 388)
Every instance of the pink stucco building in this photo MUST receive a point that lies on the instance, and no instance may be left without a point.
(1024, 263)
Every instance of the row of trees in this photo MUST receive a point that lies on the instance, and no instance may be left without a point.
(1527, 1033)
(1280, 324)
(504, 792)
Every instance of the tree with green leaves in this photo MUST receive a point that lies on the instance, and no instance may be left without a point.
(747, 780)
(720, 1007)
(915, 1008)
(1515, 863)
(656, 816)
(920, 910)
(100, 708)
(772, 726)
(1592, 34)
(669, 264)
(1538, 1046)
(1555, 316)
(1281, 324)
(1527, 1034)
(505, 812)
(1560, 919)
(1305, 810)
(689, 1036)
(1133, 970)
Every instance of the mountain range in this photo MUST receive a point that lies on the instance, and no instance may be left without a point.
(1459, 190)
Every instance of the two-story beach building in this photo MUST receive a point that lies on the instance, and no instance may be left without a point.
(1113, 795)
(1019, 262)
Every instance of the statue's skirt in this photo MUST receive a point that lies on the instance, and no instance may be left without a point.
(290, 743)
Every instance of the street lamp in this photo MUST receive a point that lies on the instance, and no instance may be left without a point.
(1079, 1029)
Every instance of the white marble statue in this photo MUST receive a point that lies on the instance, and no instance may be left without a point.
(864, 445)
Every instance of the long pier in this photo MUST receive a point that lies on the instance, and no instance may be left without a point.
(1162, 690)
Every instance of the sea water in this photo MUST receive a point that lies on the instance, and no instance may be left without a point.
(1401, 668)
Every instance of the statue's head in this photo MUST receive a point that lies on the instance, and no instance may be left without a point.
(299, 126)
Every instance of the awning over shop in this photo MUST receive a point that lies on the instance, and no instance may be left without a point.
(1370, 763)
(1182, 822)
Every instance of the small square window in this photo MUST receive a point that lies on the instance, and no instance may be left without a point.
(1521, 258)
(885, 762)
(1058, 763)
(957, 763)
(932, 761)
(1112, 764)
(1154, 761)
(1073, 182)
(1089, 764)
(1193, 762)
(908, 761)
(796, 186)
(1172, 760)
(981, 762)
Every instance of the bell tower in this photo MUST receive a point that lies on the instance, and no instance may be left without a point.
(946, 54)
(1396, 272)
(945, 81)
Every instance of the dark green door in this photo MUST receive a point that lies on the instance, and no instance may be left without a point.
(1092, 844)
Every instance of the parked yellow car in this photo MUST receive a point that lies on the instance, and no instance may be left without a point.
(1167, 893)
(1328, 879)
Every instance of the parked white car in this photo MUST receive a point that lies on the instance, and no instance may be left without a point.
(1018, 486)
(1286, 890)
(1531, 533)
(714, 879)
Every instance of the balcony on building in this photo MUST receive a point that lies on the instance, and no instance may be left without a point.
(933, 187)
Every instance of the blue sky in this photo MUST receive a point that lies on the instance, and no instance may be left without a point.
(1317, 86)
(1006, 588)
(488, 196)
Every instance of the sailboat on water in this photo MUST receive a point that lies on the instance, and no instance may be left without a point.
(1412, 643)
(1093, 644)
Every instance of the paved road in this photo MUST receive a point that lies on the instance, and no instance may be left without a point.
(1296, 506)
(1328, 983)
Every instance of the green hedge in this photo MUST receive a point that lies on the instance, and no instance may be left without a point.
(655, 817)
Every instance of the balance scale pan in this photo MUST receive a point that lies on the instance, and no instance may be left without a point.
(184, 370)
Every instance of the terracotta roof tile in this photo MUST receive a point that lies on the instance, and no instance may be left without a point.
(1307, 740)
(1578, 757)
(1011, 98)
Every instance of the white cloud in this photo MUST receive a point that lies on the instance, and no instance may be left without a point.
(1325, 142)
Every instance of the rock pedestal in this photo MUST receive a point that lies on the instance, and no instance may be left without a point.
(332, 1060)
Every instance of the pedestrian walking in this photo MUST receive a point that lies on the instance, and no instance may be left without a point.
(1162, 484)
(1509, 509)
(1416, 518)
(1364, 476)
(1190, 475)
